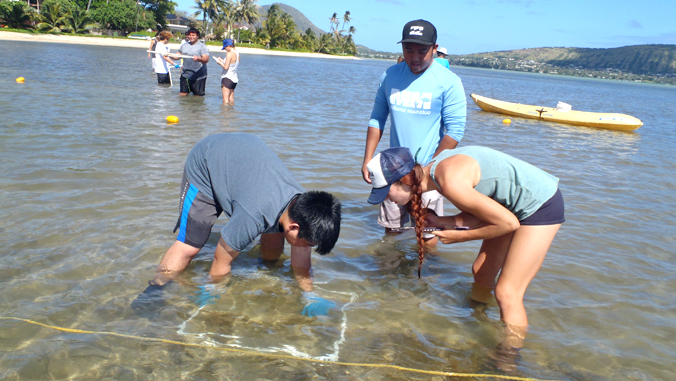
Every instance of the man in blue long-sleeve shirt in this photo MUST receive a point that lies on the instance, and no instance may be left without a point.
(427, 107)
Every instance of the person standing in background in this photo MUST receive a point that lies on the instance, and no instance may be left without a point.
(153, 44)
(194, 74)
(427, 107)
(229, 76)
(162, 61)
(441, 57)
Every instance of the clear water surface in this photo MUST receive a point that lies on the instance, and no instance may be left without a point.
(89, 195)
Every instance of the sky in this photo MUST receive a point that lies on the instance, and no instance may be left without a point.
(477, 26)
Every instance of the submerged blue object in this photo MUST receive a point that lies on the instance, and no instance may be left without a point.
(316, 305)
(205, 294)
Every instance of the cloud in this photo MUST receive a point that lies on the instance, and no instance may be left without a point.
(635, 24)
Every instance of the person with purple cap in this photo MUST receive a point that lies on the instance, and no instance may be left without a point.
(427, 107)
(229, 77)
(514, 207)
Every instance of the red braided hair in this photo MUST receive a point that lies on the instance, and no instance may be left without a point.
(416, 209)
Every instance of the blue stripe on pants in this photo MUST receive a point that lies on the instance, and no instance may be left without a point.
(189, 198)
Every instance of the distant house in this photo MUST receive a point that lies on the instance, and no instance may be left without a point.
(177, 23)
(37, 4)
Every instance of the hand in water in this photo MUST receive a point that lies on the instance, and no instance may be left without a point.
(149, 303)
(316, 305)
(206, 294)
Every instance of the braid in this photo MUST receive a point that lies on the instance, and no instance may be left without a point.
(416, 209)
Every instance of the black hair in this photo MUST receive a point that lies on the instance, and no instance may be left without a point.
(317, 214)
(193, 30)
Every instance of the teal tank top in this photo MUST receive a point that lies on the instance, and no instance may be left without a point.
(518, 186)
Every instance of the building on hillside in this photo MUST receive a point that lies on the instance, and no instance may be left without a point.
(176, 23)
(37, 4)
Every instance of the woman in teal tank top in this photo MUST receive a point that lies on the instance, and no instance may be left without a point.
(514, 207)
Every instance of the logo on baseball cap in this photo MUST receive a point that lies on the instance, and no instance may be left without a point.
(385, 169)
(420, 32)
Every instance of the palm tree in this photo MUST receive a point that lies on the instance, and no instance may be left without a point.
(288, 29)
(262, 37)
(338, 35)
(324, 45)
(333, 20)
(352, 30)
(273, 25)
(225, 14)
(247, 11)
(346, 19)
(207, 8)
(78, 20)
(52, 18)
(16, 13)
(349, 46)
(310, 39)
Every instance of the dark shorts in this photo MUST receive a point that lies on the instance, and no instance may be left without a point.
(195, 86)
(228, 84)
(163, 78)
(550, 213)
(197, 215)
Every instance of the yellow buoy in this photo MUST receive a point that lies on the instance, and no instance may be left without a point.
(172, 119)
(507, 121)
(20, 79)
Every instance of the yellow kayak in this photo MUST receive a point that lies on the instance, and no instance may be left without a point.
(561, 114)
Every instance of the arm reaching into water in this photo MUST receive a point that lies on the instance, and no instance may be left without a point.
(223, 257)
(457, 176)
(301, 263)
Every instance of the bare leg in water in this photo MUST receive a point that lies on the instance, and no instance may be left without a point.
(517, 257)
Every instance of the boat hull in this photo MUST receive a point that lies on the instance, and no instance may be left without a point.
(612, 121)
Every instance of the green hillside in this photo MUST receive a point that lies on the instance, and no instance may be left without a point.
(637, 59)
(302, 22)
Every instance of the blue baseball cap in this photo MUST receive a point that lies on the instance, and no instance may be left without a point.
(228, 42)
(385, 169)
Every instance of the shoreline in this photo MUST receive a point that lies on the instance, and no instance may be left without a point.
(144, 44)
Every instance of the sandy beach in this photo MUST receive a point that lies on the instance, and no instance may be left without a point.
(143, 44)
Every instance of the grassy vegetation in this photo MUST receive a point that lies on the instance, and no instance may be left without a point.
(152, 34)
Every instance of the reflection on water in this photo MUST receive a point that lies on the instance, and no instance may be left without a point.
(89, 191)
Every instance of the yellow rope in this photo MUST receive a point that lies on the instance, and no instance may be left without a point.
(430, 372)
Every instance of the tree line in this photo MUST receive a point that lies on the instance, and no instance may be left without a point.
(279, 30)
(79, 16)
(220, 19)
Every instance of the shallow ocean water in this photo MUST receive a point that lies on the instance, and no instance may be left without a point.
(89, 188)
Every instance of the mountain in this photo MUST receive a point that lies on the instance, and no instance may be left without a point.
(363, 51)
(302, 22)
(636, 59)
